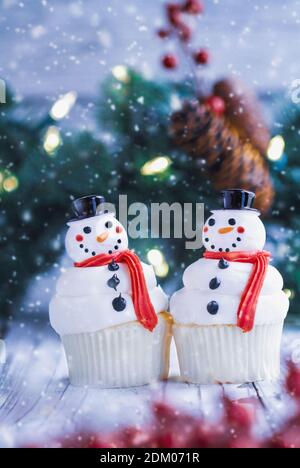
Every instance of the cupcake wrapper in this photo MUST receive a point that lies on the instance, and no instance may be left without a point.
(224, 354)
(2, 352)
(124, 356)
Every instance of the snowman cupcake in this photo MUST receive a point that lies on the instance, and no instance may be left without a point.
(228, 318)
(108, 309)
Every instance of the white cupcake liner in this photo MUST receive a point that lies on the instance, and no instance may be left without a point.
(224, 354)
(2, 352)
(122, 356)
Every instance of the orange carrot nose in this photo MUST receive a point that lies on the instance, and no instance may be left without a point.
(102, 237)
(225, 230)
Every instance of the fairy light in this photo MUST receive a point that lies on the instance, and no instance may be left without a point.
(52, 140)
(290, 294)
(162, 270)
(10, 184)
(157, 260)
(120, 72)
(156, 166)
(63, 105)
(276, 148)
(155, 257)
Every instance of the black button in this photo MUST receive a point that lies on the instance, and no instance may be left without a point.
(213, 307)
(214, 283)
(113, 282)
(223, 264)
(119, 304)
(113, 266)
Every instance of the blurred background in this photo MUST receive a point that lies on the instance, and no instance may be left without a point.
(162, 102)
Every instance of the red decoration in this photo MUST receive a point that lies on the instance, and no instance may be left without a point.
(170, 61)
(202, 57)
(248, 302)
(79, 238)
(238, 416)
(178, 28)
(174, 14)
(193, 7)
(240, 229)
(163, 33)
(185, 32)
(216, 104)
(143, 307)
(293, 380)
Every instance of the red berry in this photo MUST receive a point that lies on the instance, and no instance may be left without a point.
(202, 57)
(185, 33)
(238, 416)
(293, 380)
(174, 14)
(193, 7)
(216, 104)
(244, 442)
(163, 33)
(170, 61)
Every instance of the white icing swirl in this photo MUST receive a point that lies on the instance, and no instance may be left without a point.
(83, 300)
(189, 305)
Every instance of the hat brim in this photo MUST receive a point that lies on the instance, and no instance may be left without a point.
(81, 218)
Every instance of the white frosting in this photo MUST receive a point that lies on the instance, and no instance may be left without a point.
(96, 235)
(83, 300)
(93, 280)
(189, 305)
(224, 231)
(233, 279)
(221, 232)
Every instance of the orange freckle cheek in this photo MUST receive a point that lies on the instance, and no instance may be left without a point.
(205, 229)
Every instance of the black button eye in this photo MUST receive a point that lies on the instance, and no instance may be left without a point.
(108, 225)
(212, 222)
(87, 230)
(232, 221)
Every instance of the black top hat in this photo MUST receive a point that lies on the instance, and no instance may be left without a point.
(238, 199)
(86, 207)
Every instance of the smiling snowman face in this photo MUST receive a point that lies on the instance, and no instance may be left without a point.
(89, 237)
(234, 230)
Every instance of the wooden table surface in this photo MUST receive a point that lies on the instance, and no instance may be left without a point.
(37, 403)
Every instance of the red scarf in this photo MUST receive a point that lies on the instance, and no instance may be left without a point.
(143, 307)
(249, 298)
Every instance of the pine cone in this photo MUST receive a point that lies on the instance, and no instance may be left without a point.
(229, 161)
(243, 112)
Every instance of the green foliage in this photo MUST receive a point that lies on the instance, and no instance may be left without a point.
(284, 221)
